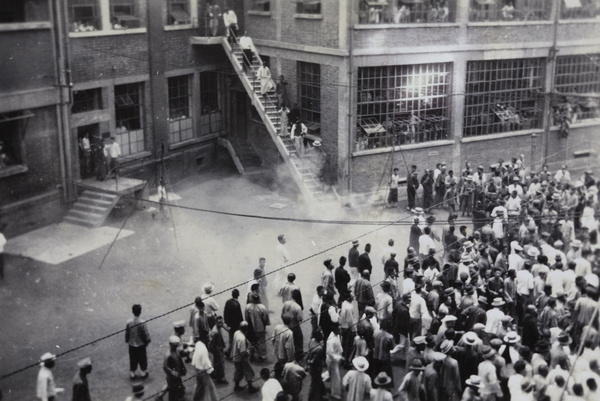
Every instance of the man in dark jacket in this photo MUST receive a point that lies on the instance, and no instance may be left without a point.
(81, 390)
(233, 316)
(364, 260)
(342, 278)
(401, 324)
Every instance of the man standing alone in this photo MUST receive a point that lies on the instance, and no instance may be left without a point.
(136, 335)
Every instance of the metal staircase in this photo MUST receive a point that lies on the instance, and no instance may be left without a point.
(303, 169)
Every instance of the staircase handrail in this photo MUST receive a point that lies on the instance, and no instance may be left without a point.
(267, 97)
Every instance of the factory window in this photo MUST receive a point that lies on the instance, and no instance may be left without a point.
(178, 12)
(402, 104)
(381, 12)
(509, 10)
(579, 9)
(129, 112)
(180, 109)
(12, 129)
(503, 96)
(84, 15)
(309, 88)
(210, 118)
(308, 7)
(124, 14)
(12, 11)
(260, 5)
(577, 81)
(86, 100)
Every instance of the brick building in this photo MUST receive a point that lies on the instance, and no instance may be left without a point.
(404, 82)
(380, 83)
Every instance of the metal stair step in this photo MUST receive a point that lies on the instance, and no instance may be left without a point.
(98, 201)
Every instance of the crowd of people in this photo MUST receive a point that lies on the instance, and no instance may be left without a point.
(503, 307)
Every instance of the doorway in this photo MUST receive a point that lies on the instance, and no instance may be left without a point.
(90, 148)
(239, 130)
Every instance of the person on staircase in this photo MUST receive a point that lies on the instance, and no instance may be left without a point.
(266, 81)
(248, 49)
(231, 25)
(299, 131)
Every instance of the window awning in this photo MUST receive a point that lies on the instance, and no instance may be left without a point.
(15, 115)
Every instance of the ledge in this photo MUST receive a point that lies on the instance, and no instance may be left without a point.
(585, 123)
(135, 156)
(579, 21)
(112, 32)
(25, 26)
(502, 135)
(309, 16)
(13, 170)
(180, 27)
(423, 145)
(193, 141)
(360, 27)
(509, 23)
(259, 13)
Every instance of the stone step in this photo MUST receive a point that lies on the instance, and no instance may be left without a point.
(78, 221)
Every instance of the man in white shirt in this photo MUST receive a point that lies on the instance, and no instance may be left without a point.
(515, 186)
(425, 243)
(515, 260)
(231, 24)
(562, 176)
(271, 388)
(513, 204)
(283, 258)
(46, 388)
(247, 46)
(112, 152)
(524, 284)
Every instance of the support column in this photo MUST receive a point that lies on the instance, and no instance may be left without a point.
(457, 107)
(105, 15)
(158, 84)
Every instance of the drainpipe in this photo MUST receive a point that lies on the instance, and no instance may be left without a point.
(552, 62)
(350, 95)
(58, 84)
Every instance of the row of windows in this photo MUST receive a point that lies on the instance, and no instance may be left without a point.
(86, 15)
(129, 109)
(399, 105)
(436, 11)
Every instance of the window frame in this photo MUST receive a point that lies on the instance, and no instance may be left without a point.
(403, 104)
(493, 11)
(498, 98)
(314, 7)
(93, 99)
(173, 20)
(181, 127)
(18, 120)
(210, 103)
(578, 73)
(309, 91)
(584, 12)
(131, 101)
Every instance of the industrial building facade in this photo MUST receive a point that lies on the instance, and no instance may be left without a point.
(381, 83)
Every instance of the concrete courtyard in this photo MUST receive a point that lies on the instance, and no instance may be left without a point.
(162, 265)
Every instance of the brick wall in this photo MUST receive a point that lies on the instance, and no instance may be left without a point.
(406, 36)
(178, 51)
(93, 58)
(509, 34)
(26, 60)
(329, 116)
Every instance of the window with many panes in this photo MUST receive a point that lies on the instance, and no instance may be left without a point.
(503, 96)
(402, 104)
(178, 12)
(84, 15)
(129, 115)
(11, 148)
(308, 7)
(180, 109)
(579, 9)
(384, 12)
(210, 118)
(309, 89)
(86, 100)
(575, 77)
(509, 10)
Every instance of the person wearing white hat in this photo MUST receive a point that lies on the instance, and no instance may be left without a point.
(210, 304)
(490, 385)
(356, 381)
(46, 388)
(81, 389)
(175, 369)
(471, 393)
(494, 316)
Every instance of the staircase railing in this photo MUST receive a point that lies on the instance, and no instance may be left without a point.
(266, 97)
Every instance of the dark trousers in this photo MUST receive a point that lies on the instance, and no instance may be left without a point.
(1, 266)
(248, 58)
(522, 302)
(176, 390)
(411, 195)
(137, 357)
(218, 365)
(347, 337)
(298, 341)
